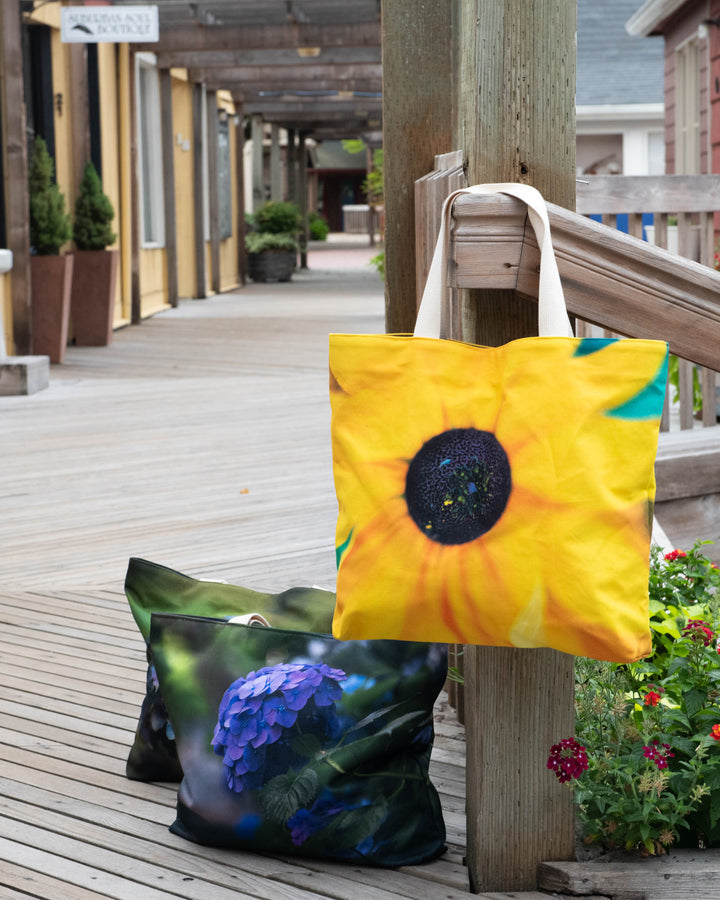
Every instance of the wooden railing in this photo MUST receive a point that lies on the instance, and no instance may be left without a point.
(683, 209)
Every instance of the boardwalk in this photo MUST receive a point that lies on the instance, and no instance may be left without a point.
(199, 440)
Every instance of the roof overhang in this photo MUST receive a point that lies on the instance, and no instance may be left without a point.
(620, 114)
(651, 15)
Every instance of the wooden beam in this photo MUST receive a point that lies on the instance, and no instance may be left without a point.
(417, 109)
(613, 194)
(364, 86)
(136, 206)
(264, 37)
(303, 198)
(191, 59)
(213, 185)
(276, 179)
(316, 108)
(287, 75)
(610, 279)
(168, 154)
(199, 193)
(516, 114)
(240, 192)
(15, 174)
(79, 112)
(258, 168)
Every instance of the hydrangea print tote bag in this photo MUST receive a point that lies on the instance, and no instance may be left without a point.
(496, 495)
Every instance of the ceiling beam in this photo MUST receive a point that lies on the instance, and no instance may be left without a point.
(263, 37)
(251, 89)
(196, 59)
(316, 108)
(287, 75)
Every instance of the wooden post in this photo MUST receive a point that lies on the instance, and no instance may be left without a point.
(258, 176)
(303, 199)
(276, 185)
(291, 166)
(515, 122)
(168, 153)
(418, 100)
(15, 169)
(79, 112)
(136, 201)
(213, 198)
(199, 193)
(240, 187)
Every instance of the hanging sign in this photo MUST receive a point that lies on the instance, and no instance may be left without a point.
(109, 24)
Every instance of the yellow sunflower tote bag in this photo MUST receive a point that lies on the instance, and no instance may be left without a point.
(496, 495)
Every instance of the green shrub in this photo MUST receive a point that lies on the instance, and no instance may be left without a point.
(49, 223)
(319, 228)
(379, 263)
(277, 217)
(93, 213)
(257, 242)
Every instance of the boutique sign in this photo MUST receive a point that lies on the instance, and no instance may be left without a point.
(109, 24)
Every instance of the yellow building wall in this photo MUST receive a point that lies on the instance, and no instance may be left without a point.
(153, 281)
(229, 271)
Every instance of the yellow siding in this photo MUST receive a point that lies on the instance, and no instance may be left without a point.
(153, 281)
(125, 205)
(229, 272)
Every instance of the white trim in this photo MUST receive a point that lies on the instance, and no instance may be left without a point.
(620, 112)
(650, 15)
(149, 152)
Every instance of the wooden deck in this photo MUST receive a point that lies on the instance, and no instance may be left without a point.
(199, 440)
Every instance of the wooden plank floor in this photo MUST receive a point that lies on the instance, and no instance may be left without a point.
(199, 440)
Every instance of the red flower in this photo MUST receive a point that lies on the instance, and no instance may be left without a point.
(568, 759)
(652, 698)
(715, 732)
(659, 755)
(675, 554)
(698, 630)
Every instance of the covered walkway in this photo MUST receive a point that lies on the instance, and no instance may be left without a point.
(198, 440)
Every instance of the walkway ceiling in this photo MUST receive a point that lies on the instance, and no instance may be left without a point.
(312, 65)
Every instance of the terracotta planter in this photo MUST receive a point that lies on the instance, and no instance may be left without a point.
(272, 265)
(51, 283)
(92, 305)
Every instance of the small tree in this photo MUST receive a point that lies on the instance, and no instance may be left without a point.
(93, 213)
(49, 223)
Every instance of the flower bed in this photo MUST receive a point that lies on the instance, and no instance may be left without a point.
(645, 761)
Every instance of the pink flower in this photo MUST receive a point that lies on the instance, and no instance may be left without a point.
(568, 759)
(715, 732)
(658, 754)
(698, 630)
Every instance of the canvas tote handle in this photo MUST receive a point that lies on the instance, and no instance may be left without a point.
(552, 314)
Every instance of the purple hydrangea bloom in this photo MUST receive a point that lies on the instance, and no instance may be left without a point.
(256, 711)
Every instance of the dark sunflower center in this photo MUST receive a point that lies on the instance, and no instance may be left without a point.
(458, 485)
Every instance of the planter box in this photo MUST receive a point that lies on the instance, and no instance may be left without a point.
(272, 265)
(92, 304)
(51, 283)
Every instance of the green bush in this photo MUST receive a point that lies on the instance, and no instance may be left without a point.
(49, 223)
(277, 217)
(93, 213)
(319, 228)
(257, 242)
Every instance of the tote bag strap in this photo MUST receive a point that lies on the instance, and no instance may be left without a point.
(552, 314)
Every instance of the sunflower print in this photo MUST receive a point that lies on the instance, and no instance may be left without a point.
(498, 496)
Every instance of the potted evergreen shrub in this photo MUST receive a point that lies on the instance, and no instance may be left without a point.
(272, 246)
(95, 272)
(50, 272)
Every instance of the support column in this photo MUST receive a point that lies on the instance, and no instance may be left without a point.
(291, 166)
(168, 154)
(258, 174)
(276, 179)
(240, 186)
(79, 112)
(418, 98)
(214, 200)
(15, 168)
(516, 122)
(199, 192)
(303, 199)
